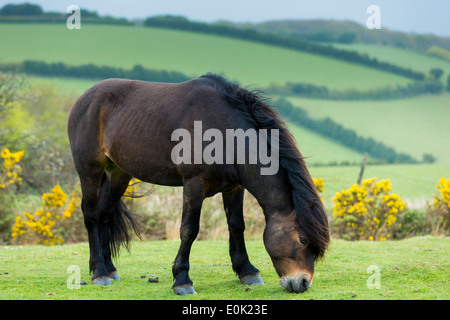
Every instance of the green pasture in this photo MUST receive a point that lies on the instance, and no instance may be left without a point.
(415, 268)
(415, 126)
(191, 53)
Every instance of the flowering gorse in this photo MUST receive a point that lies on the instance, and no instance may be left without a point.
(319, 184)
(439, 210)
(443, 198)
(10, 168)
(368, 211)
(44, 226)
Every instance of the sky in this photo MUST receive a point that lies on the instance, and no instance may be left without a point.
(413, 16)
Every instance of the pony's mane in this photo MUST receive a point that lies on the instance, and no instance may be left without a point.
(310, 211)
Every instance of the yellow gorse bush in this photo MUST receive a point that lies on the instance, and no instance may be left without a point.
(439, 210)
(133, 189)
(443, 198)
(319, 184)
(368, 211)
(44, 226)
(9, 168)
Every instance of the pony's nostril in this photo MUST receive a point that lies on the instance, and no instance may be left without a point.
(305, 283)
(301, 284)
(297, 284)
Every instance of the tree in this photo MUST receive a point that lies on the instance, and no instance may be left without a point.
(436, 73)
(428, 158)
(24, 9)
(448, 83)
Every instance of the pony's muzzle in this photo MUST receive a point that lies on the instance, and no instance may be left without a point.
(298, 283)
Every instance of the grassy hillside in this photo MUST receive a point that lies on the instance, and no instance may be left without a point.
(415, 126)
(187, 52)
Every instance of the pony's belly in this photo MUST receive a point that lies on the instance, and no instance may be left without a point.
(161, 176)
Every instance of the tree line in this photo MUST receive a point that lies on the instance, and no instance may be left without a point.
(416, 88)
(92, 71)
(430, 85)
(33, 13)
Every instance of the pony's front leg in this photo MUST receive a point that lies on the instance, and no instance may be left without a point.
(193, 196)
(233, 203)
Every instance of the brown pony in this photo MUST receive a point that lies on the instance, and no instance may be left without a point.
(121, 129)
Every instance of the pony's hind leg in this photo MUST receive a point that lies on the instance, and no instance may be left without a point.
(233, 204)
(113, 229)
(91, 179)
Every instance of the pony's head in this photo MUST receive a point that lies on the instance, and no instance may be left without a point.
(296, 236)
(295, 246)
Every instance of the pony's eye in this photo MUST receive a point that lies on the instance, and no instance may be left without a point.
(303, 241)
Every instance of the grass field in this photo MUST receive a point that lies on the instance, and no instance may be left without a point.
(192, 53)
(415, 268)
(415, 126)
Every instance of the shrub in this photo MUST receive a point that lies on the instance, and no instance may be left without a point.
(10, 168)
(367, 212)
(413, 223)
(439, 210)
(318, 183)
(46, 225)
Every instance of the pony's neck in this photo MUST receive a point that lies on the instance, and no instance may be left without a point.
(273, 192)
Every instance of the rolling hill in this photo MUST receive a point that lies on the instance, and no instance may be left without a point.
(192, 53)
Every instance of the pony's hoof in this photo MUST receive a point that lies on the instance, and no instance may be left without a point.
(184, 290)
(114, 275)
(252, 279)
(102, 281)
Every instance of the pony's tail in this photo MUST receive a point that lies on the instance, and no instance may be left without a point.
(117, 220)
(122, 221)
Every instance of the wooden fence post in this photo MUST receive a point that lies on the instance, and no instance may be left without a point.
(363, 165)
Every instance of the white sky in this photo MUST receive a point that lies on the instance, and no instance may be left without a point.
(419, 16)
